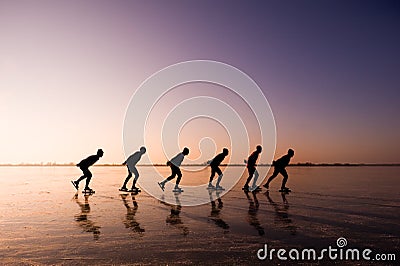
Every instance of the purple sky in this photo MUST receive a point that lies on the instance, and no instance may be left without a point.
(329, 69)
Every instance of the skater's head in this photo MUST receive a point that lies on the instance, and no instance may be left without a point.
(100, 152)
(225, 151)
(143, 150)
(185, 151)
(259, 149)
(290, 152)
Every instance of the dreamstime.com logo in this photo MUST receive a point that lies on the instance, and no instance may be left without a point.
(331, 253)
(177, 106)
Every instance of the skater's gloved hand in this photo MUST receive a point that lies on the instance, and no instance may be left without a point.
(245, 161)
(209, 162)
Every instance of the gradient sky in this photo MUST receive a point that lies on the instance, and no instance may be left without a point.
(329, 69)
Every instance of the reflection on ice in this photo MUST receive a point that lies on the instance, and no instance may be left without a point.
(216, 209)
(325, 204)
(253, 211)
(83, 217)
(130, 221)
(174, 218)
(281, 213)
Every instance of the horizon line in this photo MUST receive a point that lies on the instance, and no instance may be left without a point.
(309, 164)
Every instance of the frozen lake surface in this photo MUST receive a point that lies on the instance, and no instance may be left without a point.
(43, 221)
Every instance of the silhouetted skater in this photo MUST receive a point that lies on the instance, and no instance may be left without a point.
(214, 163)
(279, 168)
(84, 166)
(251, 165)
(131, 164)
(175, 163)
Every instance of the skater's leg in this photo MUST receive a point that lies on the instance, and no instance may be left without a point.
(134, 183)
(219, 180)
(87, 182)
(251, 173)
(214, 169)
(136, 173)
(85, 172)
(127, 179)
(212, 174)
(80, 179)
(274, 174)
(285, 178)
(256, 175)
(174, 170)
(172, 176)
(220, 175)
(88, 175)
(178, 180)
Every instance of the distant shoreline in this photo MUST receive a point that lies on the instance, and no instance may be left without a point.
(234, 165)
